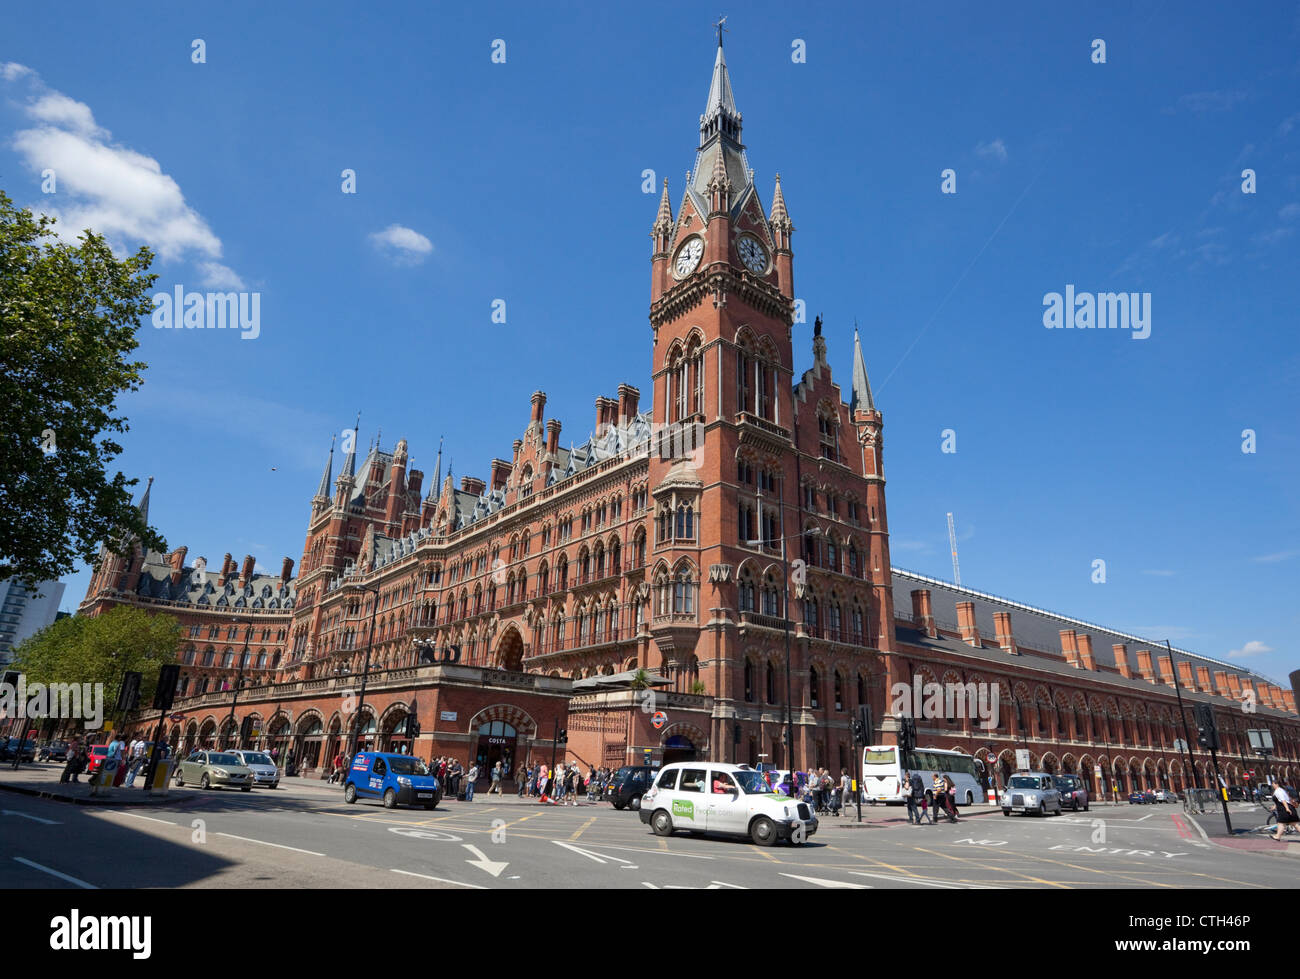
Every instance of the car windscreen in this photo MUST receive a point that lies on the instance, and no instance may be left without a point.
(1023, 782)
(407, 765)
(223, 759)
(752, 783)
(257, 758)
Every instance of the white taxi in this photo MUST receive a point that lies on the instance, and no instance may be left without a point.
(713, 797)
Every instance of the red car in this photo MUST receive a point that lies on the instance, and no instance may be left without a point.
(95, 756)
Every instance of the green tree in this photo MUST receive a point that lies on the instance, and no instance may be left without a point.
(68, 319)
(99, 649)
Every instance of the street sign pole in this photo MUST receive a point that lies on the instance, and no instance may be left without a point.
(1218, 787)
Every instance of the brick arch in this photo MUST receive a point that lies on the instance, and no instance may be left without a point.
(516, 717)
(686, 729)
(389, 715)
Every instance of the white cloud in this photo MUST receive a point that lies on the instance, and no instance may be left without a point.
(1290, 212)
(1252, 648)
(218, 276)
(1275, 557)
(118, 192)
(402, 244)
(993, 150)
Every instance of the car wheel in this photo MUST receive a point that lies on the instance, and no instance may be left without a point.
(618, 806)
(662, 823)
(430, 805)
(204, 783)
(1085, 807)
(246, 788)
(1006, 812)
(349, 793)
(1042, 809)
(763, 831)
(635, 803)
(1074, 804)
(390, 799)
(179, 780)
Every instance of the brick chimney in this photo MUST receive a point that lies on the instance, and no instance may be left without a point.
(500, 473)
(1086, 658)
(472, 484)
(1145, 669)
(1203, 679)
(923, 613)
(1121, 658)
(1185, 675)
(1221, 683)
(286, 569)
(519, 444)
(628, 398)
(227, 569)
(1002, 631)
(246, 574)
(1070, 646)
(414, 483)
(553, 436)
(177, 561)
(538, 401)
(1166, 670)
(606, 415)
(970, 633)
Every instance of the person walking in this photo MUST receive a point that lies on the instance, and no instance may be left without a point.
(496, 779)
(915, 797)
(521, 780)
(1286, 811)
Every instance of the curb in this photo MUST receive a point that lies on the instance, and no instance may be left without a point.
(115, 801)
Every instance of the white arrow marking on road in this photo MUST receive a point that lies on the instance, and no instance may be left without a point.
(598, 857)
(35, 819)
(947, 885)
(483, 863)
(713, 885)
(424, 834)
(822, 882)
(441, 880)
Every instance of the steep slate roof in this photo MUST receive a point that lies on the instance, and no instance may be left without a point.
(263, 591)
(1038, 629)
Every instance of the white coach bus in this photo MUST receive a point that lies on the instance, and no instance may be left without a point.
(882, 772)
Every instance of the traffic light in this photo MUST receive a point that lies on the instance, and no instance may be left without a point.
(857, 731)
(1207, 735)
(413, 727)
(907, 734)
(246, 729)
(864, 722)
(564, 736)
(163, 695)
(735, 734)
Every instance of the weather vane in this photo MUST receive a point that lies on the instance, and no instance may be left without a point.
(719, 25)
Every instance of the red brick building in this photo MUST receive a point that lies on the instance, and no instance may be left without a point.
(692, 538)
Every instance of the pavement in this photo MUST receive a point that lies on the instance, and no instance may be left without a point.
(41, 779)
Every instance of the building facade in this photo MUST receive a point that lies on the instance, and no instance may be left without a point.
(26, 609)
(666, 588)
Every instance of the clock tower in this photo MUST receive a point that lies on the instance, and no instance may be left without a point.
(755, 474)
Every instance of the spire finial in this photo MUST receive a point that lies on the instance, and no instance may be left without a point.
(720, 25)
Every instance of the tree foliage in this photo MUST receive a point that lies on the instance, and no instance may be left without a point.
(99, 649)
(68, 319)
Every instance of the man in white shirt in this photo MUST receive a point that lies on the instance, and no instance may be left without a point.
(470, 778)
(1286, 812)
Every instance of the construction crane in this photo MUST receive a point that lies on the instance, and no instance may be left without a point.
(952, 544)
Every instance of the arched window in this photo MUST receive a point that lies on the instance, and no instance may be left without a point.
(749, 681)
(771, 596)
(683, 593)
(746, 591)
(814, 688)
(685, 522)
(839, 691)
(771, 684)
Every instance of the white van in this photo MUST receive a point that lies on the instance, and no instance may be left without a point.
(713, 797)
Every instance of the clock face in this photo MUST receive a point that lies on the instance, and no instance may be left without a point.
(688, 256)
(753, 254)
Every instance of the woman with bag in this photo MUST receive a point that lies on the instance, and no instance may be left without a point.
(1286, 811)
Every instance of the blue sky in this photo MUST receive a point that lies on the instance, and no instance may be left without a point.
(522, 181)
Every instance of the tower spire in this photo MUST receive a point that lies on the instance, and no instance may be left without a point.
(323, 490)
(350, 460)
(435, 488)
(143, 505)
(862, 400)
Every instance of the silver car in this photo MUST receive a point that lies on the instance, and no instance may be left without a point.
(260, 764)
(209, 769)
(1031, 792)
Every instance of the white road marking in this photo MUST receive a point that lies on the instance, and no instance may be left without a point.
(55, 873)
(1141, 818)
(280, 846)
(481, 861)
(134, 815)
(713, 885)
(822, 882)
(946, 885)
(441, 880)
(424, 834)
(598, 857)
(658, 853)
(35, 819)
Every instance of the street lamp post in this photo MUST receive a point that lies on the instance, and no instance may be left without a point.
(365, 674)
(239, 681)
